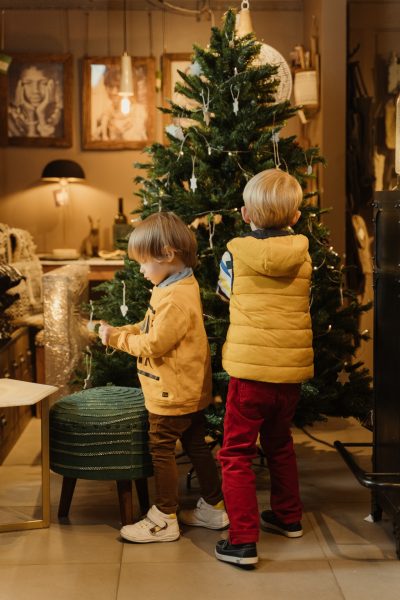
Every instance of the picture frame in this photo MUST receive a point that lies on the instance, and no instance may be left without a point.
(105, 126)
(171, 64)
(36, 101)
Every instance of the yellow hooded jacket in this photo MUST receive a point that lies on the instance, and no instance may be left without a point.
(270, 336)
(172, 348)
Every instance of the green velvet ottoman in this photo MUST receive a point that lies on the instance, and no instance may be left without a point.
(101, 433)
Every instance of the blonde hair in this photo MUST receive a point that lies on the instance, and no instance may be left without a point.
(158, 233)
(272, 198)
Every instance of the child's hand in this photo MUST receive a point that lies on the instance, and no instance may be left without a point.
(105, 330)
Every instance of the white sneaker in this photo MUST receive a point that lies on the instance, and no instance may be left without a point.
(155, 527)
(205, 515)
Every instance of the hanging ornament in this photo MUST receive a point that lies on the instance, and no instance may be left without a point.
(195, 69)
(211, 230)
(235, 97)
(193, 180)
(275, 144)
(267, 56)
(88, 364)
(123, 308)
(309, 165)
(231, 41)
(91, 325)
(205, 107)
(176, 131)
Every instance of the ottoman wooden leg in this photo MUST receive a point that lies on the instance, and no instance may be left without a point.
(67, 491)
(125, 501)
(142, 491)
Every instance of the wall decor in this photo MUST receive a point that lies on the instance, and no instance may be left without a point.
(111, 122)
(36, 101)
(171, 65)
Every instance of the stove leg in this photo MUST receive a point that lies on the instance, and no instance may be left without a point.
(376, 510)
(396, 532)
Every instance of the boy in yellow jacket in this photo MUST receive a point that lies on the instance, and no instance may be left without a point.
(268, 353)
(173, 360)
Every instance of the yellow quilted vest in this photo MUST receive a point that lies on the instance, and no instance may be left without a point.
(270, 336)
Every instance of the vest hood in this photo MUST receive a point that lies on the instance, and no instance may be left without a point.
(280, 256)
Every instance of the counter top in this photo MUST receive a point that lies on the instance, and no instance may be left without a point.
(92, 262)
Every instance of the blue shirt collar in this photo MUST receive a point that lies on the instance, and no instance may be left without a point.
(186, 272)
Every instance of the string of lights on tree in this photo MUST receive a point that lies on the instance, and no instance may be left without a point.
(230, 129)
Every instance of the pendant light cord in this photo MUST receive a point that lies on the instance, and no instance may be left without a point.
(125, 44)
(3, 29)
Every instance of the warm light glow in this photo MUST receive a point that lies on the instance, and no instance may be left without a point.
(61, 195)
(126, 86)
(125, 105)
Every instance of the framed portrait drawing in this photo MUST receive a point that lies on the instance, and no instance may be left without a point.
(108, 124)
(171, 65)
(36, 101)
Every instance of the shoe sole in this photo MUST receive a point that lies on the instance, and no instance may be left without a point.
(235, 560)
(270, 527)
(205, 525)
(129, 539)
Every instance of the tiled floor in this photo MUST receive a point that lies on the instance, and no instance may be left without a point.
(341, 556)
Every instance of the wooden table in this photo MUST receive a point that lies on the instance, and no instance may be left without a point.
(24, 393)
(100, 269)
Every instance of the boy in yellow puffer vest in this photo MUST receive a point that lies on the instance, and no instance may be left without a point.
(268, 352)
(173, 360)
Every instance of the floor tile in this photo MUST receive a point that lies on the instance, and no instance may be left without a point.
(61, 582)
(343, 532)
(61, 544)
(220, 581)
(368, 579)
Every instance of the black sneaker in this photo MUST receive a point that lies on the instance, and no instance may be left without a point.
(269, 521)
(238, 554)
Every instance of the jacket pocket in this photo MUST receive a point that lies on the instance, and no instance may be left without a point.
(147, 374)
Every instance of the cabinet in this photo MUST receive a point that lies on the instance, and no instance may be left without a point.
(15, 363)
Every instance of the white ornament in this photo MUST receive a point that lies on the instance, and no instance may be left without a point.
(123, 308)
(195, 69)
(193, 183)
(91, 325)
(176, 131)
(275, 137)
(205, 107)
(270, 56)
(309, 170)
(193, 180)
(235, 97)
(88, 363)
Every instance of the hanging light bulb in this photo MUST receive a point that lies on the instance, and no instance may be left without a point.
(268, 54)
(126, 85)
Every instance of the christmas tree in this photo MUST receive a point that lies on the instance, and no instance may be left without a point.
(228, 130)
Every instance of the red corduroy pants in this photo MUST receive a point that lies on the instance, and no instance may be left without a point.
(252, 408)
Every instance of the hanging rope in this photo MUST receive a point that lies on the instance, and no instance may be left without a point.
(86, 33)
(3, 25)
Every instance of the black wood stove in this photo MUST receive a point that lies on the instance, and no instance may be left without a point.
(384, 480)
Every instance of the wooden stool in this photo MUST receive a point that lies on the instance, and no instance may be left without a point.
(101, 433)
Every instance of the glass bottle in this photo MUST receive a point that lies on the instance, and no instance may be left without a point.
(121, 227)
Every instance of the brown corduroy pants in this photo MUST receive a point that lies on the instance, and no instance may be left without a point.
(190, 430)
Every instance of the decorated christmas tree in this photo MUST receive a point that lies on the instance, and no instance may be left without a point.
(227, 130)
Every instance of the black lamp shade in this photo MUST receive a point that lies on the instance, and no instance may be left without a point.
(62, 169)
